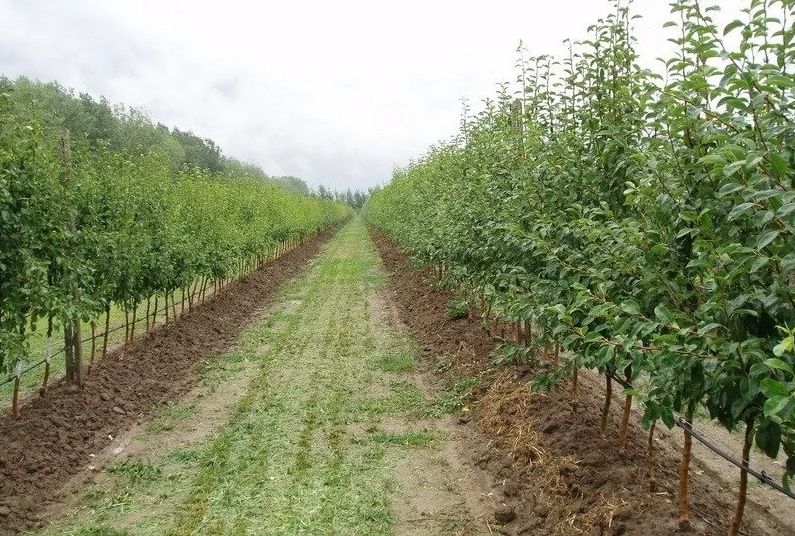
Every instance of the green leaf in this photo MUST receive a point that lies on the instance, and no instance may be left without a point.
(712, 160)
(733, 25)
(766, 239)
(709, 327)
(780, 166)
(775, 405)
(663, 314)
(768, 438)
(772, 388)
(778, 364)
(630, 307)
(786, 345)
(739, 210)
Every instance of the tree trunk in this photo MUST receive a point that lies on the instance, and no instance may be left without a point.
(107, 332)
(134, 320)
(683, 500)
(72, 332)
(650, 463)
(734, 528)
(93, 343)
(126, 325)
(608, 398)
(47, 357)
(148, 310)
(68, 351)
(622, 433)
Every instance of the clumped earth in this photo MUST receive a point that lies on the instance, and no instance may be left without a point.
(54, 435)
(558, 475)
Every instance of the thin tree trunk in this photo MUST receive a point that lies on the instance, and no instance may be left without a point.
(683, 500)
(15, 399)
(148, 310)
(126, 325)
(173, 307)
(154, 315)
(608, 398)
(93, 343)
(165, 302)
(622, 433)
(107, 332)
(134, 319)
(734, 528)
(47, 357)
(650, 463)
(72, 333)
(68, 351)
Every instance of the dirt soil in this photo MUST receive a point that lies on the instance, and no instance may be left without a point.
(53, 437)
(557, 474)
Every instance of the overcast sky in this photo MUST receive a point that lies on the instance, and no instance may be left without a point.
(336, 92)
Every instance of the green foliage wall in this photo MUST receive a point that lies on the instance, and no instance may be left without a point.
(643, 222)
(116, 221)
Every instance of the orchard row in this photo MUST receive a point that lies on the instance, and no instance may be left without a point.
(634, 222)
(84, 225)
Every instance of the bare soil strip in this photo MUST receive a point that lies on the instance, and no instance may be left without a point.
(54, 435)
(555, 473)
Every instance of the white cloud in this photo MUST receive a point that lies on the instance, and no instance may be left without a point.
(335, 92)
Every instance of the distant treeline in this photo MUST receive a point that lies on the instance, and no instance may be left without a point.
(353, 198)
(98, 122)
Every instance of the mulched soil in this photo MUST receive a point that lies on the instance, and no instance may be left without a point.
(54, 435)
(554, 471)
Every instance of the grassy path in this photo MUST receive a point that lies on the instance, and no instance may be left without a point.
(330, 434)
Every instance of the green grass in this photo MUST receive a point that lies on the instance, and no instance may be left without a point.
(397, 362)
(135, 472)
(286, 461)
(169, 415)
(454, 399)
